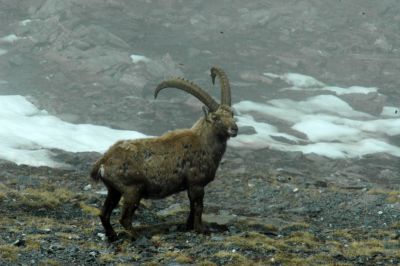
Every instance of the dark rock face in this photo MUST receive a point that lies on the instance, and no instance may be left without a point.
(371, 103)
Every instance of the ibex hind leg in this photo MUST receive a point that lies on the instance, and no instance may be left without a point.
(112, 200)
(132, 197)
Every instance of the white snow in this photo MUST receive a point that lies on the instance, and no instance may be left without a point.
(390, 111)
(331, 127)
(321, 130)
(10, 38)
(352, 89)
(323, 124)
(139, 58)
(297, 80)
(300, 82)
(28, 133)
(25, 22)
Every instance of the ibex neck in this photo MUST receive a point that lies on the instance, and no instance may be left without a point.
(216, 143)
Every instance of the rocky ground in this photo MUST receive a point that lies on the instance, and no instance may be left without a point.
(265, 207)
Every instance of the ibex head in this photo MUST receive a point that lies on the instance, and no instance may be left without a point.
(220, 115)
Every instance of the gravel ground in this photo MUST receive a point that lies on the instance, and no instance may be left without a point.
(274, 214)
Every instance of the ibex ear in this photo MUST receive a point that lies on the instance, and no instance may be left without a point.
(205, 111)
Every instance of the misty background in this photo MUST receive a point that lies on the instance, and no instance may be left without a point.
(72, 58)
(98, 62)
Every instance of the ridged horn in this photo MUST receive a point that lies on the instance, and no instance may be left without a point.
(191, 88)
(224, 83)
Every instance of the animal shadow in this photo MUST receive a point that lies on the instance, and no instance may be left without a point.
(148, 231)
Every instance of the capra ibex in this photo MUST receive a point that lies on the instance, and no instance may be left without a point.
(185, 159)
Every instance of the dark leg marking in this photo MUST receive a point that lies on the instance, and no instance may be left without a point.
(196, 195)
(110, 203)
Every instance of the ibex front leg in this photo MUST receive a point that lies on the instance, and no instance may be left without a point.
(196, 195)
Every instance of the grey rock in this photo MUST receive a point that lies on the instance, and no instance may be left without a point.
(247, 130)
(52, 8)
(16, 61)
(304, 210)
(172, 210)
(255, 77)
(388, 175)
(371, 103)
(239, 170)
(143, 242)
(81, 45)
(19, 243)
(220, 219)
(164, 67)
(96, 35)
(55, 247)
(217, 238)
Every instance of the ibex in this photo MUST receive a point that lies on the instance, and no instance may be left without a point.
(185, 159)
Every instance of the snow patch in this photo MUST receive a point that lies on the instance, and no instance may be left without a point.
(28, 134)
(25, 22)
(297, 80)
(139, 58)
(331, 127)
(10, 38)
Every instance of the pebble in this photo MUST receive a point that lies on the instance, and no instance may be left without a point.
(19, 243)
(87, 187)
(102, 236)
(143, 242)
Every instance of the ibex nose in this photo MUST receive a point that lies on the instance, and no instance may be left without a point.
(233, 131)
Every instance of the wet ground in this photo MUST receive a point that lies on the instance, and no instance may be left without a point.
(265, 207)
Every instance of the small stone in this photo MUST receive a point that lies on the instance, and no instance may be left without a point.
(19, 243)
(87, 187)
(172, 228)
(93, 253)
(247, 130)
(171, 210)
(102, 192)
(233, 230)
(143, 242)
(102, 236)
(217, 238)
(221, 219)
(55, 247)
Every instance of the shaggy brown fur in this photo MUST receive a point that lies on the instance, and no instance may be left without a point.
(180, 160)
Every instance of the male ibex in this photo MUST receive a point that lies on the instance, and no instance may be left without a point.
(185, 159)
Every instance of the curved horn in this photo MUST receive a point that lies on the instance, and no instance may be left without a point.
(191, 88)
(224, 83)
